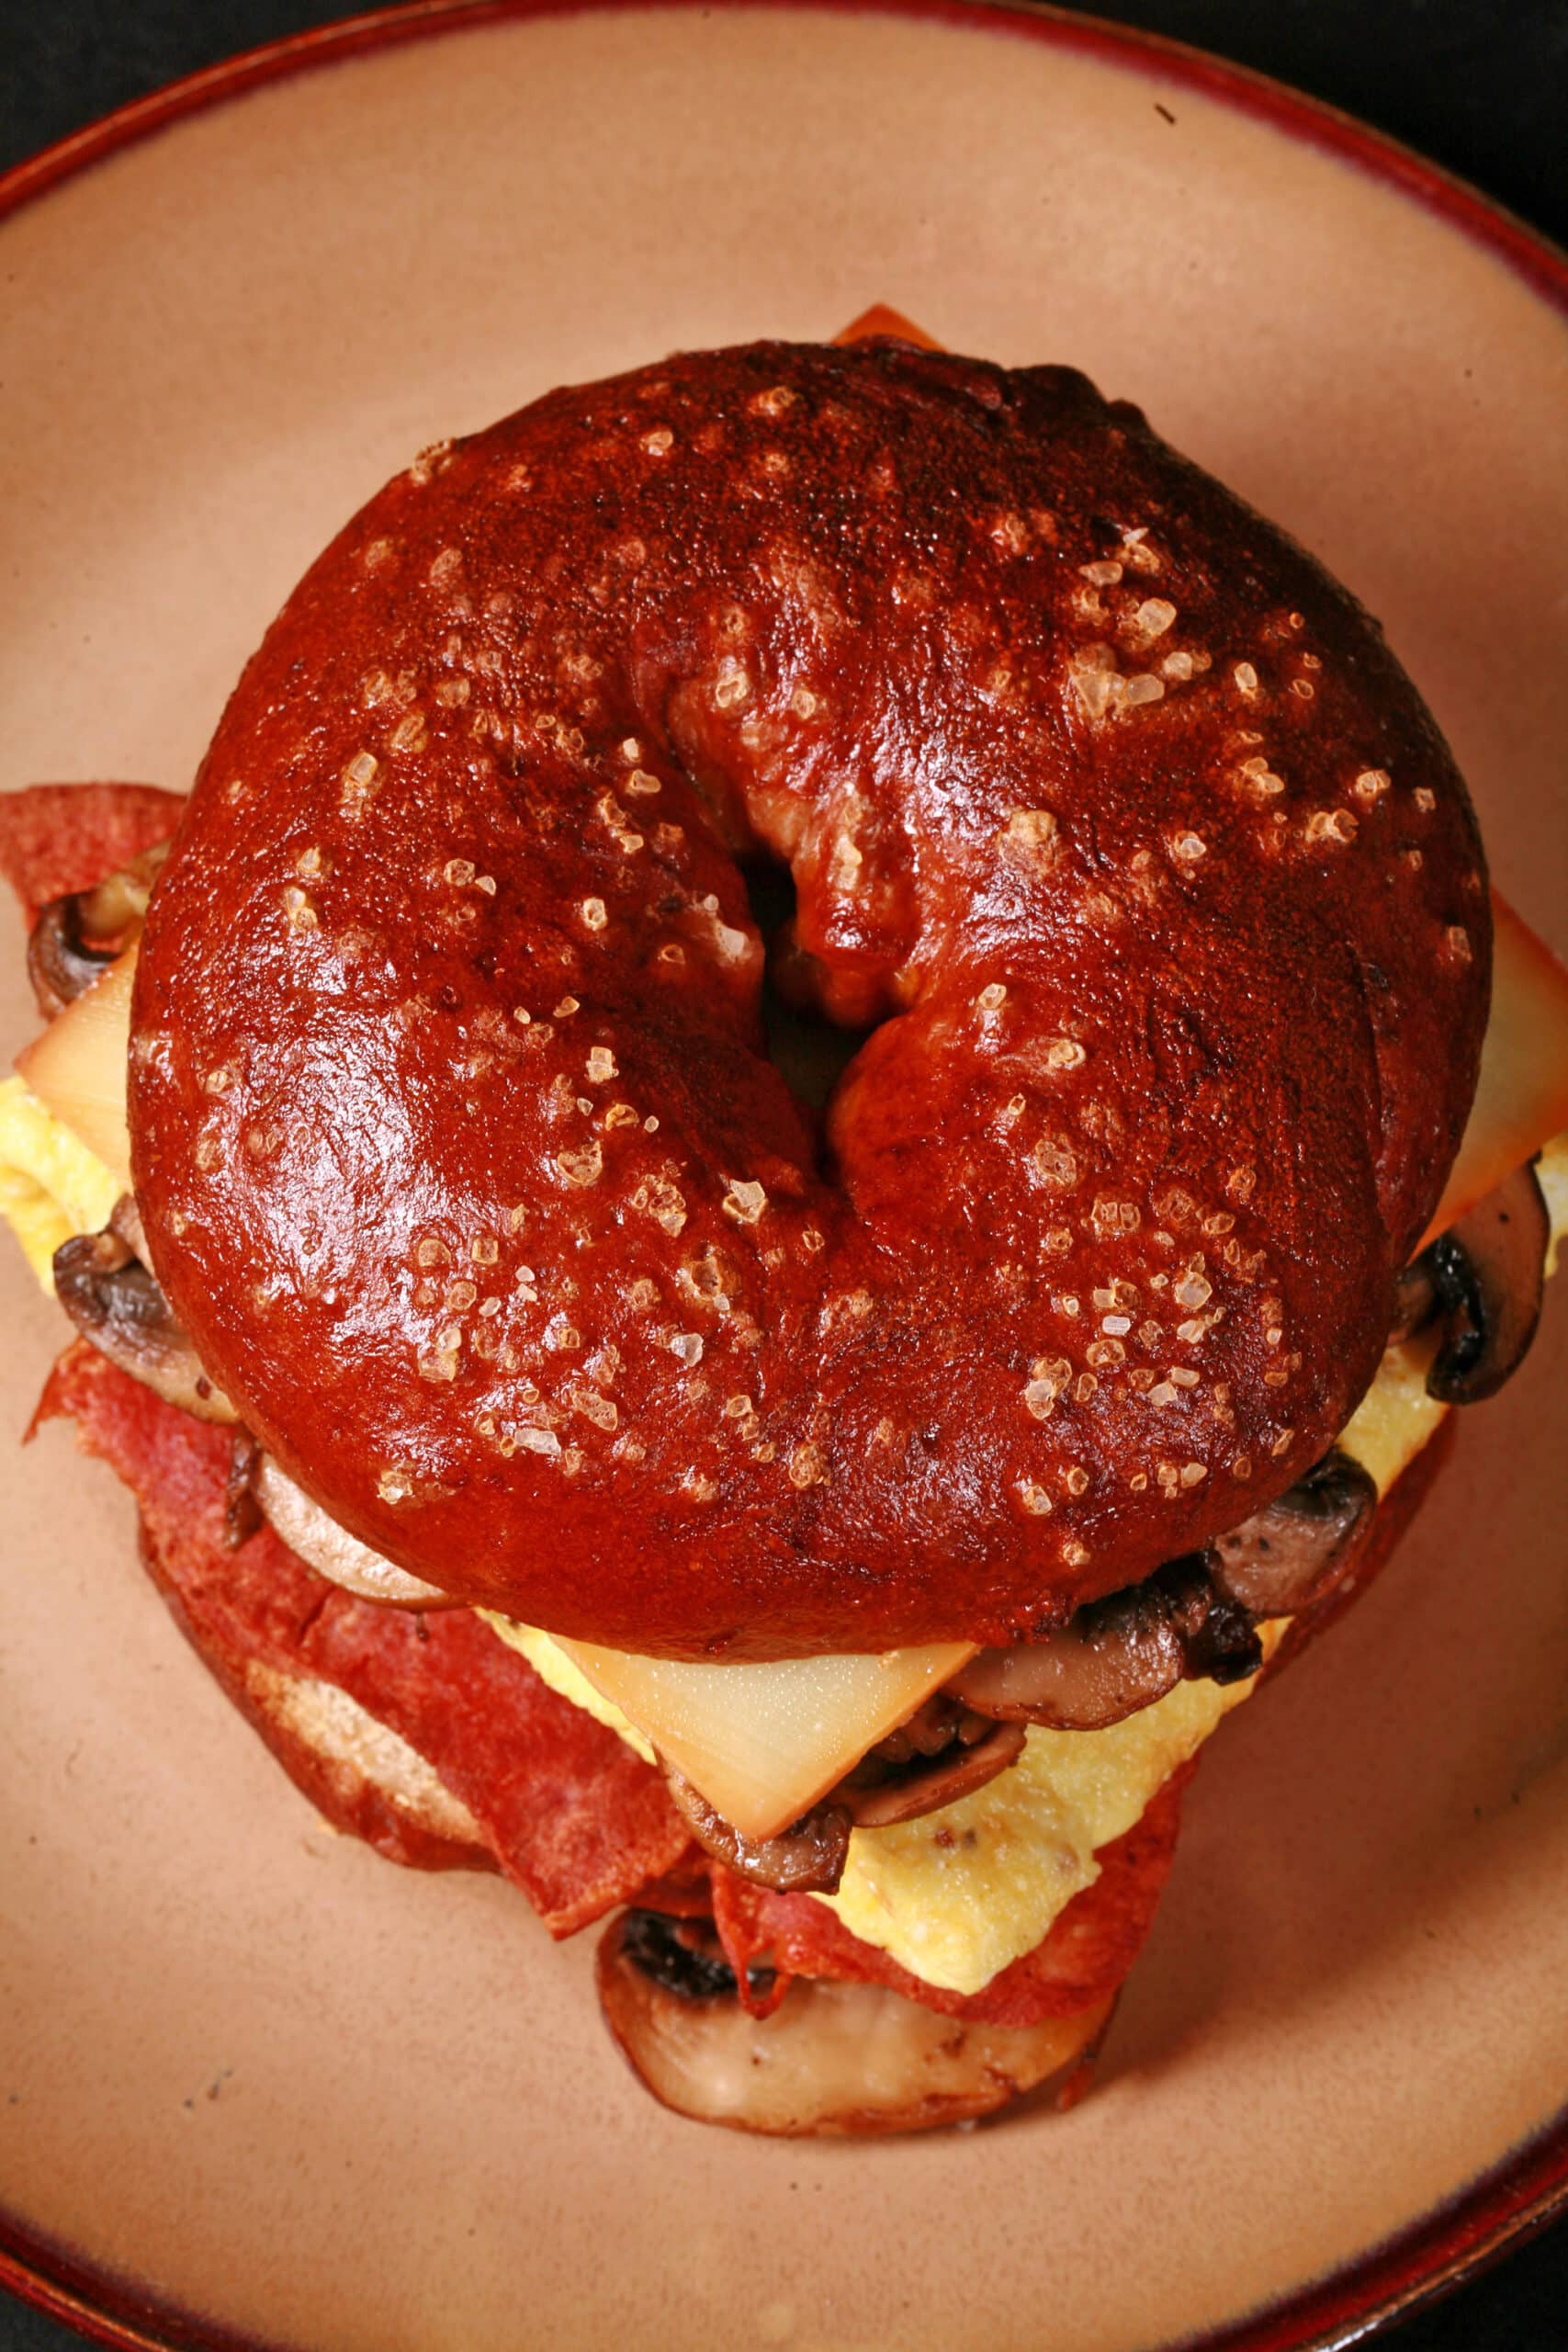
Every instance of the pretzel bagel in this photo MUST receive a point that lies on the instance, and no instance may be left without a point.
(457, 1145)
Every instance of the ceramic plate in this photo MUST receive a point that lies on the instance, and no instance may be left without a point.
(248, 2072)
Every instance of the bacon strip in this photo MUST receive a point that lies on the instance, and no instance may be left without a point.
(562, 1806)
(56, 838)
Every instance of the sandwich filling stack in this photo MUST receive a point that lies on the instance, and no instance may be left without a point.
(815, 1524)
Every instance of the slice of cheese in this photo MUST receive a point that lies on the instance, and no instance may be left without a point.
(79, 1066)
(763, 1743)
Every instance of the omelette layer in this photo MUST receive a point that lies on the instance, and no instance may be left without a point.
(50, 1185)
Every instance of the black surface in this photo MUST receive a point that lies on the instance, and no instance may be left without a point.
(1481, 85)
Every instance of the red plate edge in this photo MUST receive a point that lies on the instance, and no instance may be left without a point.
(1517, 2197)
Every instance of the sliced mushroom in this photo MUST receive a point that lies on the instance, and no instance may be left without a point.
(1486, 1272)
(76, 938)
(942, 1754)
(806, 1858)
(1117, 1655)
(882, 1790)
(330, 1549)
(116, 1305)
(932, 1728)
(1415, 1300)
(124, 1223)
(685, 1957)
(62, 963)
(832, 2060)
(241, 1512)
(1299, 1547)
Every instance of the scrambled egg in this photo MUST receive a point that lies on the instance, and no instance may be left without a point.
(50, 1185)
(957, 1894)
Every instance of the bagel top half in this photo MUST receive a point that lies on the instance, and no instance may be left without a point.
(455, 1135)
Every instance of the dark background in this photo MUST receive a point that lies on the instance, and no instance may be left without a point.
(1481, 85)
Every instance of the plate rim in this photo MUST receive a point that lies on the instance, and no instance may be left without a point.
(1509, 2204)
(1529, 252)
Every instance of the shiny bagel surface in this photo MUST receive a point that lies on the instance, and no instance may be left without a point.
(456, 1143)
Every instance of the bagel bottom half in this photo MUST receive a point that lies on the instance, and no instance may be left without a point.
(439, 1745)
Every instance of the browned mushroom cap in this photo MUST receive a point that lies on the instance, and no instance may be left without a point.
(832, 2060)
(1487, 1272)
(61, 965)
(116, 1303)
(1296, 1548)
(76, 938)
(882, 1790)
(330, 1549)
(945, 1752)
(1117, 1655)
(806, 1858)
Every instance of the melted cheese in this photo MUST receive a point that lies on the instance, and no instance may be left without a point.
(763, 1743)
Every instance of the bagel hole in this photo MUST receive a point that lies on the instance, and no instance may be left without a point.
(809, 1052)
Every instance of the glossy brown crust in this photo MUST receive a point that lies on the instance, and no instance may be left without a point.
(1090, 780)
